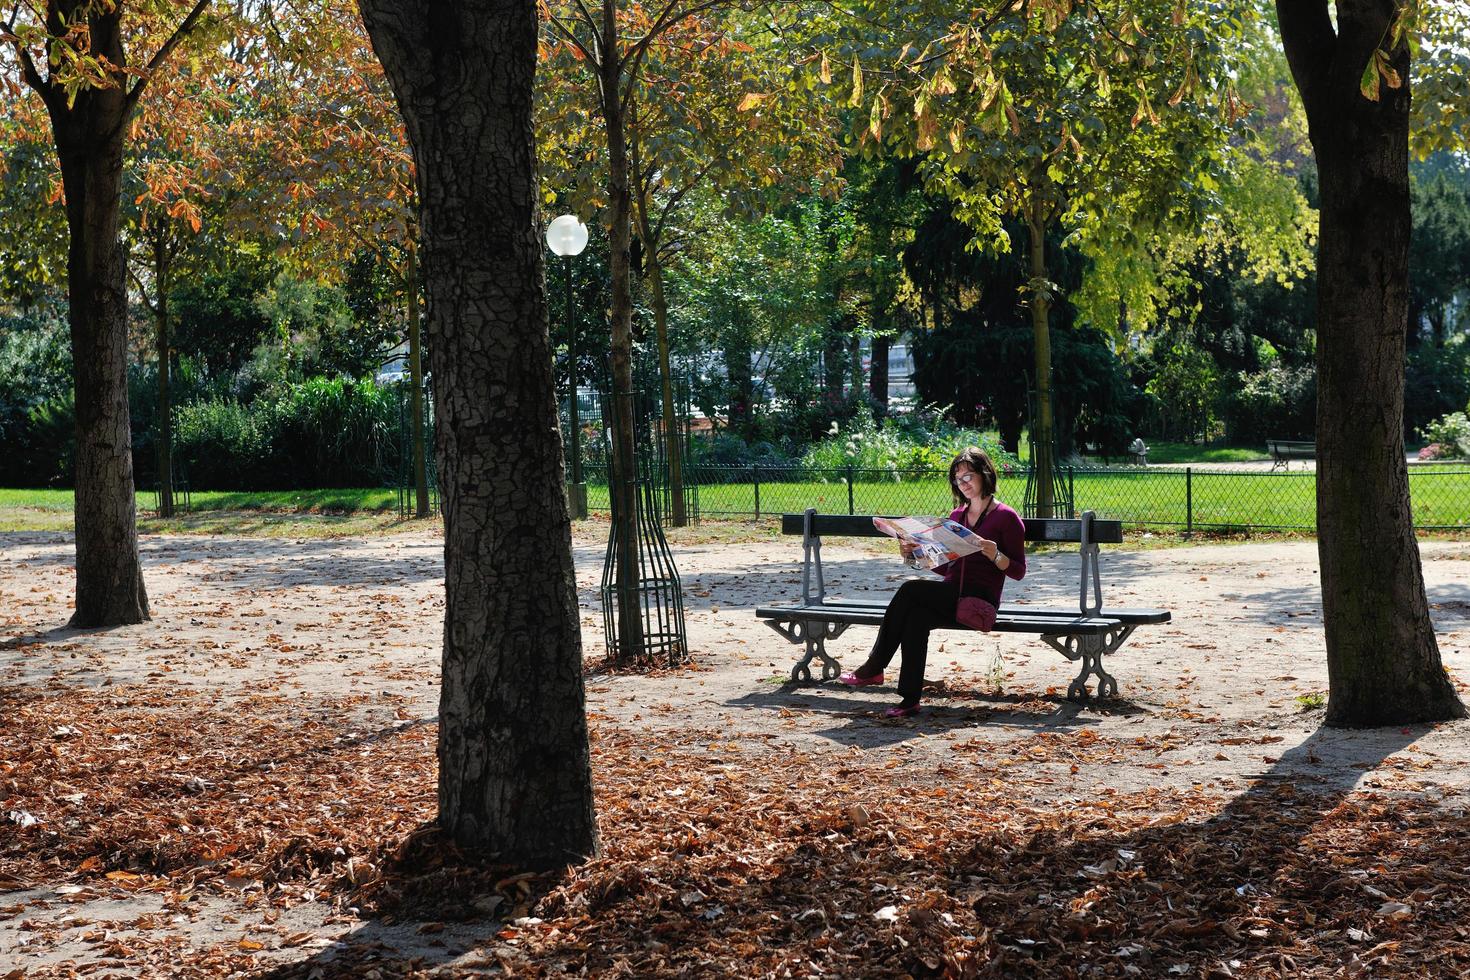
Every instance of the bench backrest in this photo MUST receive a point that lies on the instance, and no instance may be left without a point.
(1288, 447)
(1087, 532)
(1057, 529)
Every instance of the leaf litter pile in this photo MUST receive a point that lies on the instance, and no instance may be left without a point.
(719, 858)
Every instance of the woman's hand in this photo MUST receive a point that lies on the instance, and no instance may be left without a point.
(989, 548)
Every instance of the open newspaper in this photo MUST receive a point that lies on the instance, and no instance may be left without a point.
(940, 540)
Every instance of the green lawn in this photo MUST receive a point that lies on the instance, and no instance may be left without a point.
(286, 512)
(377, 499)
(1440, 497)
(1185, 452)
(1136, 496)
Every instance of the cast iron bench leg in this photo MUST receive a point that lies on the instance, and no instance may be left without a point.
(1089, 650)
(814, 633)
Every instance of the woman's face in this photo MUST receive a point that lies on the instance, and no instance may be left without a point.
(969, 482)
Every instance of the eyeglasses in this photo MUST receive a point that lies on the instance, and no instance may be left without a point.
(965, 478)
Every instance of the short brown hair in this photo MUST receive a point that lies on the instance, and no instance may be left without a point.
(975, 458)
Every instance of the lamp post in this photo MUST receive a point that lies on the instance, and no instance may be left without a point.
(566, 236)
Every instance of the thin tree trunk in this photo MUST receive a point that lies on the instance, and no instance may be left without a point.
(739, 387)
(833, 356)
(514, 772)
(624, 484)
(655, 271)
(162, 267)
(89, 141)
(1383, 662)
(1042, 439)
(878, 375)
(416, 383)
(672, 435)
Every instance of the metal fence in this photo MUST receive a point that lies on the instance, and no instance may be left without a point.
(1189, 498)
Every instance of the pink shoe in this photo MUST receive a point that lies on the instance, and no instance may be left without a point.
(902, 711)
(853, 680)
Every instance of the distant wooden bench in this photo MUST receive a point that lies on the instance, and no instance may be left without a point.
(1283, 451)
(1087, 633)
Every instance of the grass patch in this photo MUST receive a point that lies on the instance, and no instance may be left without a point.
(1186, 452)
(1227, 502)
(1311, 701)
(289, 513)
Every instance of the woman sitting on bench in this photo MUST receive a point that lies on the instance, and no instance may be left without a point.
(923, 605)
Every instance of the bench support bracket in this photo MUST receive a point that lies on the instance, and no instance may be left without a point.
(1090, 650)
(814, 633)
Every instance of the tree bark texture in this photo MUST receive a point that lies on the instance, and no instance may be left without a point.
(514, 769)
(89, 142)
(1382, 659)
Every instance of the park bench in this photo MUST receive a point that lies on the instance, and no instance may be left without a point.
(1087, 633)
(1284, 450)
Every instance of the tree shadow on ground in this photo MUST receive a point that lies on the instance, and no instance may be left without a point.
(1273, 881)
(965, 708)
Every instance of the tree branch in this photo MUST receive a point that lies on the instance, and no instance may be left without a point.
(1309, 41)
(28, 70)
(142, 290)
(591, 22)
(571, 37)
(161, 55)
(670, 16)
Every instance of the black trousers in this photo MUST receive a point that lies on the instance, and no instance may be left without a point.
(919, 606)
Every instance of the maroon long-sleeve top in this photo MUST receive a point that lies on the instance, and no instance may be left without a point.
(978, 575)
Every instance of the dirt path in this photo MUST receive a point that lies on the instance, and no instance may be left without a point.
(345, 632)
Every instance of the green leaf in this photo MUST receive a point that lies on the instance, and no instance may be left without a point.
(1368, 84)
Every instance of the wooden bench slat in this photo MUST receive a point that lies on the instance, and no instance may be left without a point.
(1061, 529)
(1061, 622)
(1136, 617)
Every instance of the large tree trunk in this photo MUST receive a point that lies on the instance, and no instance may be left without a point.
(514, 771)
(1382, 660)
(89, 141)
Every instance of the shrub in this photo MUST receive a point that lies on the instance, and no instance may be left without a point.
(326, 432)
(894, 447)
(1273, 403)
(1450, 435)
(725, 449)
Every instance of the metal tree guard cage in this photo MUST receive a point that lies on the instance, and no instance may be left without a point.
(660, 595)
(1060, 491)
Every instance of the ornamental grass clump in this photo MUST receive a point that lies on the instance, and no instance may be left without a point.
(897, 449)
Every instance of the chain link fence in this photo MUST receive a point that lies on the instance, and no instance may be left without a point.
(1187, 498)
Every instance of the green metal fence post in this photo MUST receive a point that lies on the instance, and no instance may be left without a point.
(755, 476)
(850, 509)
(1071, 492)
(1189, 500)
